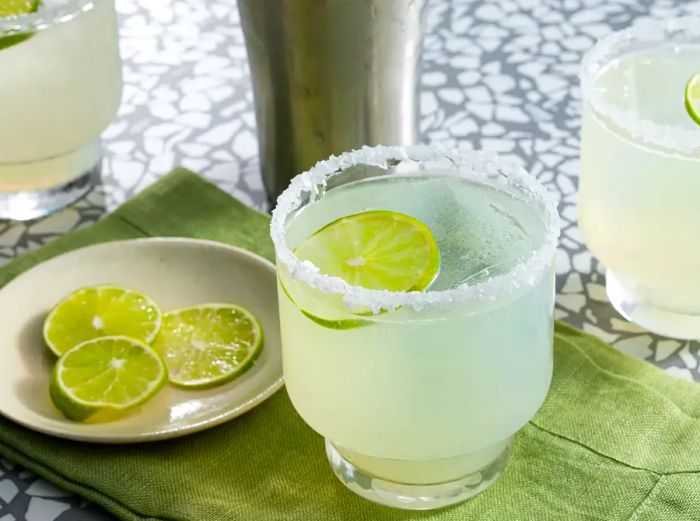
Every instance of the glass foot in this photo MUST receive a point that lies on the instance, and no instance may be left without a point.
(32, 190)
(417, 485)
(634, 303)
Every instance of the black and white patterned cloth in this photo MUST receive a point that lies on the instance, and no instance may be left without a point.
(499, 74)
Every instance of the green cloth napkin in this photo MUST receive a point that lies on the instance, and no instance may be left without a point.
(617, 439)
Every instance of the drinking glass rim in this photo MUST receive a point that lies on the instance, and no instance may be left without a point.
(469, 164)
(45, 17)
(608, 47)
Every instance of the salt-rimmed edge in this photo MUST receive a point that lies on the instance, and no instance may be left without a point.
(480, 166)
(45, 17)
(664, 32)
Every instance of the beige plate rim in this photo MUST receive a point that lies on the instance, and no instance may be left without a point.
(247, 261)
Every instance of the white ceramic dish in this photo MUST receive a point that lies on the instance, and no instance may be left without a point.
(175, 273)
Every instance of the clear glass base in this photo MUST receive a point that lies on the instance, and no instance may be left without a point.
(34, 189)
(637, 305)
(418, 485)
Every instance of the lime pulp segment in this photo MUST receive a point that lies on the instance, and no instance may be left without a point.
(692, 98)
(209, 344)
(109, 373)
(98, 311)
(17, 7)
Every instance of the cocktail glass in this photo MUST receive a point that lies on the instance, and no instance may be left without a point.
(60, 87)
(418, 394)
(640, 166)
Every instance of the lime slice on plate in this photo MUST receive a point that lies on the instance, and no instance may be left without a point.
(209, 344)
(98, 311)
(16, 8)
(376, 250)
(692, 98)
(112, 373)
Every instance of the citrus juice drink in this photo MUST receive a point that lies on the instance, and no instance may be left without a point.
(640, 166)
(60, 86)
(417, 392)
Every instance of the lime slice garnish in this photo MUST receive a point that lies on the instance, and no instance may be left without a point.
(17, 7)
(692, 98)
(209, 344)
(376, 250)
(99, 311)
(112, 373)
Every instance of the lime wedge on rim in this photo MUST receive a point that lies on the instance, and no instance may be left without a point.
(378, 249)
(16, 8)
(692, 98)
(98, 311)
(113, 373)
(209, 344)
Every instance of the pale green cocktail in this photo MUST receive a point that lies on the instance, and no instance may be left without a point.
(60, 86)
(640, 166)
(419, 393)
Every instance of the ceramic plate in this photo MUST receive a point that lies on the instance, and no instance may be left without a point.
(175, 273)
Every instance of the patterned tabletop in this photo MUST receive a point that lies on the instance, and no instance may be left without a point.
(501, 75)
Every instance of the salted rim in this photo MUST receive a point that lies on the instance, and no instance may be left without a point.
(45, 17)
(479, 166)
(614, 45)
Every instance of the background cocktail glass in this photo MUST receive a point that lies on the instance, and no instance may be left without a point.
(60, 86)
(418, 403)
(640, 173)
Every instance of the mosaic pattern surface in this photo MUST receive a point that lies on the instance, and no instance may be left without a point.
(501, 75)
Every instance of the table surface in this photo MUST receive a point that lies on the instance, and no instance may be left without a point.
(502, 76)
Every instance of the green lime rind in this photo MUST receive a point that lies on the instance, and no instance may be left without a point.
(115, 373)
(692, 98)
(16, 8)
(336, 324)
(13, 39)
(99, 311)
(349, 323)
(208, 345)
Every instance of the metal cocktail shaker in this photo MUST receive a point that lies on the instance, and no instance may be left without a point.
(330, 75)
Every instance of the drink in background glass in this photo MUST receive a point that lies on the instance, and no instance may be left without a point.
(60, 86)
(640, 173)
(419, 401)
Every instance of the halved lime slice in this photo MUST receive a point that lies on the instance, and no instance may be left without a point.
(692, 98)
(16, 8)
(209, 344)
(377, 250)
(112, 373)
(97, 311)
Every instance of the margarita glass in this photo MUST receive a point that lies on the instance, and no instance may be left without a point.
(419, 393)
(640, 166)
(61, 86)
